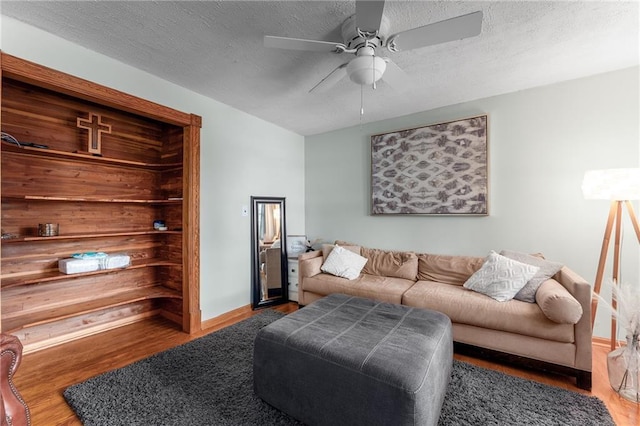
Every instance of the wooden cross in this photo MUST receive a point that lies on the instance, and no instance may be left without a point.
(96, 128)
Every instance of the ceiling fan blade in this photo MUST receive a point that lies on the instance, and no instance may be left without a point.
(369, 15)
(301, 44)
(439, 32)
(395, 76)
(334, 76)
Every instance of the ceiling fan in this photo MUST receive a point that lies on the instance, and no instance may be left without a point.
(367, 31)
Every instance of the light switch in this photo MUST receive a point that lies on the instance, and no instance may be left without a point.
(245, 211)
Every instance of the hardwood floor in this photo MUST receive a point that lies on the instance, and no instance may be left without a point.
(44, 375)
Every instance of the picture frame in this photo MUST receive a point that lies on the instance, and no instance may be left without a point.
(438, 169)
(296, 244)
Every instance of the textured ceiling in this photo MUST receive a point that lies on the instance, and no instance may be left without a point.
(216, 48)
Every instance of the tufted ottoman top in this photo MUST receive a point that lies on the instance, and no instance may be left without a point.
(388, 343)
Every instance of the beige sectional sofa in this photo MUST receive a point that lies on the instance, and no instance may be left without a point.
(554, 333)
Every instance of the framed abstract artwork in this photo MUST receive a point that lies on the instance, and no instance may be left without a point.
(439, 169)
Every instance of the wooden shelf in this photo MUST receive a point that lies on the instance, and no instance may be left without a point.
(87, 235)
(52, 153)
(55, 275)
(102, 202)
(17, 321)
(90, 200)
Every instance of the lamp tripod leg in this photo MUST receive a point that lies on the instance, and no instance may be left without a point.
(634, 219)
(616, 272)
(603, 259)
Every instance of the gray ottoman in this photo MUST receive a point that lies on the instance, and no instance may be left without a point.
(346, 360)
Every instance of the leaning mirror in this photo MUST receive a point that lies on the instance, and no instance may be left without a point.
(268, 252)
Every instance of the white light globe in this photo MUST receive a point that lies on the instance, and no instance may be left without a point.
(366, 69)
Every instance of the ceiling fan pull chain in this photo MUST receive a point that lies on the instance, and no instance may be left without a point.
(361, 102)
(373, 71)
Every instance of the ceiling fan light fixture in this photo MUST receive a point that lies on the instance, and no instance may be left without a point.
(367, 31)
(366, 69)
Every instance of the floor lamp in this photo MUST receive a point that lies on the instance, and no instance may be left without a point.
(620, 186)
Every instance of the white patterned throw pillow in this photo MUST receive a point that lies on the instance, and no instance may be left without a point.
(343, 263)
(500, 277)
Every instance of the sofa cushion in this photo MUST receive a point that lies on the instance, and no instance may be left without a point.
(546, 271)
(390, 263)
(385, 289)
(447, 269)
(500, 277)
(557, 303)
(468, 307)
(343, 263)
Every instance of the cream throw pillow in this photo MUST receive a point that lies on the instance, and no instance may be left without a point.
(343, 263)
(546, 271)
(500, 277)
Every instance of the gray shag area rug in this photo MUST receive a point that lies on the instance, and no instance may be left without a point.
(209, 381)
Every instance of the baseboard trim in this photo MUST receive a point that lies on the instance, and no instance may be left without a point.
(225, 318)
(603, 341)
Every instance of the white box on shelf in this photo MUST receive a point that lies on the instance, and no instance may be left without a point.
(74, 265)
(116, 261)
(78, 266)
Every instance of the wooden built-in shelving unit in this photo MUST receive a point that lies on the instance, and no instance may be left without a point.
(147, 169)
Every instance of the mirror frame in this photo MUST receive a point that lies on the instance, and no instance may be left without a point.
(256, 300)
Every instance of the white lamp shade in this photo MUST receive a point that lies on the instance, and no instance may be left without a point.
(612, 184)
(366, 69)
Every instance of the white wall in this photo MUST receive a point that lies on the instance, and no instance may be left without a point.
(241, 156)
(541, 141)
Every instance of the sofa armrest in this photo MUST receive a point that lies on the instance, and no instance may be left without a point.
(581, 290)
(309, 255)
(309, 264)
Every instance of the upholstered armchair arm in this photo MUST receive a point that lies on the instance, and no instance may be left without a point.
(13, 409)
